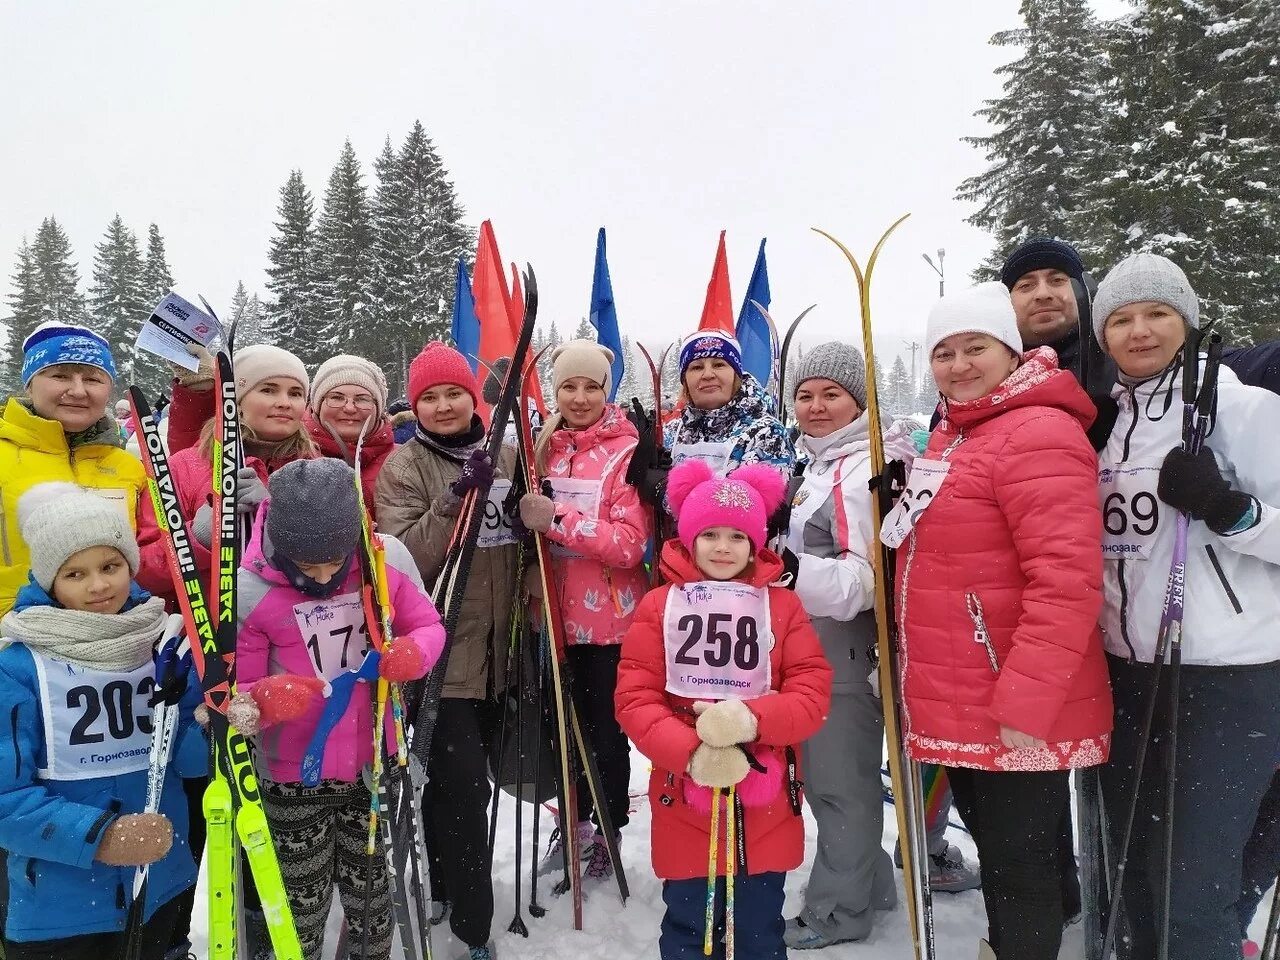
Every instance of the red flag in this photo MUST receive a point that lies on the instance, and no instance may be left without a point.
(489, 287)
(516, 313)
(717, 312)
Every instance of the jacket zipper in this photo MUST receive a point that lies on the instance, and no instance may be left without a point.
(980, 632)
(1222, 578)
(4, 534)
(1120, 570)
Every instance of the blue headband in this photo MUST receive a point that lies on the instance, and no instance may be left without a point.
(707, 344)
(54, 343)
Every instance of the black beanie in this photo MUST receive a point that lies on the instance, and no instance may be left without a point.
(1041, 254)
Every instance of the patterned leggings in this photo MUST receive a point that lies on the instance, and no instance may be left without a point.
(320, 836)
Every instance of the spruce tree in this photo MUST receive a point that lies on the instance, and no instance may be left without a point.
(900, 392)
(156, 278)
(389, 274)
(293, 313)
(57, 280)
(585, 330)
(118, 298)
(343, 259)
(24, 301)
(1045, 152)
(927, 395)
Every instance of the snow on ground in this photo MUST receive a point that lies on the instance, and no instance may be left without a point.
(631, 932)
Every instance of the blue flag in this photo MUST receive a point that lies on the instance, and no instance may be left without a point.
(604, 315)
(753, 330)
(466, 328)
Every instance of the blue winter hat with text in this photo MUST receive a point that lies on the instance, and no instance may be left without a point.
(53, 343)
(703, 344)
(1042, 253)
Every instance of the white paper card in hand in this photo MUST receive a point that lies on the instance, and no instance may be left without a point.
(173, 324)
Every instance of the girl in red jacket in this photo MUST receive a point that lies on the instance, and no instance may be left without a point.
(721, 678)
(999, 590)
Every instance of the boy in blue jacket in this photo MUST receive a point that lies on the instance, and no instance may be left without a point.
(76, 675)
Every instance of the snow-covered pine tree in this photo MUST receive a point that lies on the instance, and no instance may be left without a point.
(927, 395)
(156, 278)
(343, 241)
(882, 395)
(24, 302)
(294, 313)
(390, 273)
(57, 280)
(585, 330)
(1044, 151)
(255, 325)
(118, 301)
(900, 391)
(550, 341)
(1197, 112)
(235, 313)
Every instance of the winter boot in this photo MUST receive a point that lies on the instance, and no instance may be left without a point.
(985, 952)
(440, 911)
(488, 952)
(948, 873)
(554, 860)
(799, 935)
(599, 866)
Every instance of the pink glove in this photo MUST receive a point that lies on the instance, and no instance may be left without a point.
(285, 696)
(402, 661)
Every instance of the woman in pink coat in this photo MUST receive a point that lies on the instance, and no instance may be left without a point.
(999, 590)
(598, 530)
(303, 630)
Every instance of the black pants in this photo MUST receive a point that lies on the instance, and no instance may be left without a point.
(99, 946)
(1228, 738)
(757, 918)
(1016, 822)
(1261, 856)
(193, 787)
(456, 814)
(595, 678)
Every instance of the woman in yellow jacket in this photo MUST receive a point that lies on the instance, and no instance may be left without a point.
(60, 430)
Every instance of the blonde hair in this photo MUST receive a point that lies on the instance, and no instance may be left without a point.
(554, 423)
(296, 446)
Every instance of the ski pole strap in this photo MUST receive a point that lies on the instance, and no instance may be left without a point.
(794, 783)
(335, 706)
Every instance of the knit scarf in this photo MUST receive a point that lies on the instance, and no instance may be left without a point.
(105, 431)
(456, 446)
(102, 641)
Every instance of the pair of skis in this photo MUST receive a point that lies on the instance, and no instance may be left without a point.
(232, 802)
(905, 774)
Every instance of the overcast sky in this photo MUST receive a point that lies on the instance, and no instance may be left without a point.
(665, 122)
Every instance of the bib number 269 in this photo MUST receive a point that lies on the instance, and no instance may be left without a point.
(720, 644)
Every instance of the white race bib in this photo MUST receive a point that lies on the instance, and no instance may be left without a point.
(714, 455)
(717, 638)
(1130, 510)
(583, 496)
(335, 633)
(495, 528)
(96, 723)
(922, 486)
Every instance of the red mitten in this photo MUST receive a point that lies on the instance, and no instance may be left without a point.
(286, 696)
(402, 661)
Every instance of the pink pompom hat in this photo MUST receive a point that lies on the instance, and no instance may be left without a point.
(744, 500)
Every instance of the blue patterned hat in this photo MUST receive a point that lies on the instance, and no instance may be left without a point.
(52, 343)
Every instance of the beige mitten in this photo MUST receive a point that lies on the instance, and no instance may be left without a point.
(718, 766)
(135, 839)
(202, 377)
(725, 723)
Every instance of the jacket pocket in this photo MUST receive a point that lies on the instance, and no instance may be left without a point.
(1222, 579)
(980, 633)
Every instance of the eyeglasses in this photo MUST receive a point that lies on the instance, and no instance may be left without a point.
(336, 401)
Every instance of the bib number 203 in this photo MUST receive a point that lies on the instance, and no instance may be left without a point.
(116, 701)
(741, 646)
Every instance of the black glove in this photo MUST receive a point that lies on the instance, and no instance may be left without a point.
(780, 522)
(1195, 486)
(790, 569)
(477, 474)
(1099, 431)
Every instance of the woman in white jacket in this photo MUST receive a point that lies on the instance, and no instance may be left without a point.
(826, 560)
(1228, 724)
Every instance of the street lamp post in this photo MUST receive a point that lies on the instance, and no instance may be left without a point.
(938, 269)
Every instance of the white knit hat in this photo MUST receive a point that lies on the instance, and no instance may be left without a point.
(348, 370)
(581, 358)
(61, 519)
(261, 362)
(985, 308)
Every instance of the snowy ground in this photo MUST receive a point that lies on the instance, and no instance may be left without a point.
(631, 932)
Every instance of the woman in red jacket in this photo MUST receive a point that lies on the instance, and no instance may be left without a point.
(721, 678)
(999, 590)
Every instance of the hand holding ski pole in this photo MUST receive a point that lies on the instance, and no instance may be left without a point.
(135, 840)
(250, 490)
(477, 474)
(537, 512)
(284, 697)
(1193, 484)
(402, 661)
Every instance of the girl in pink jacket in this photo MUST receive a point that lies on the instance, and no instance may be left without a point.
(303, 632)
(598, 529)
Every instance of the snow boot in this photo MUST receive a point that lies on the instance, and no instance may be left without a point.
(948, 873)
(799, 935)
(985, 952)
(554, 860)
(488, 952)
(599, 866)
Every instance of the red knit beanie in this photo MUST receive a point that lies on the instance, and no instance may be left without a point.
(439, 363)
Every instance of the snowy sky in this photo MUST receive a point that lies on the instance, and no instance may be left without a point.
(663, 121)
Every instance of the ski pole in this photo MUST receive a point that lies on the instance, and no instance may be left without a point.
(517, 921)
(713, 859)
(536, 909)
(730, 867)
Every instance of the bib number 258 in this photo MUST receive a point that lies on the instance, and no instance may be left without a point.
(741, 646)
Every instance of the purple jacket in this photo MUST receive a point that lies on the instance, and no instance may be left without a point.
(273, 616)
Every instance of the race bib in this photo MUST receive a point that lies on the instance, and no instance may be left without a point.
(96, 723)
(116, 496)
(922, 486)
(495, 528)
(335, 633)
(583, 496)
(1130, 510)
(717, 638)
(714, 455)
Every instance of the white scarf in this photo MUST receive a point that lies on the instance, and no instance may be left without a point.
(103, 641)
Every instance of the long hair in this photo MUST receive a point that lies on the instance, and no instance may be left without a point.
(554, 423)
(296, 446)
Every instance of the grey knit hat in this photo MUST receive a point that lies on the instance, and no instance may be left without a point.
(835, 361)
(59, 520)
(1139, 277)
(314, 514)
